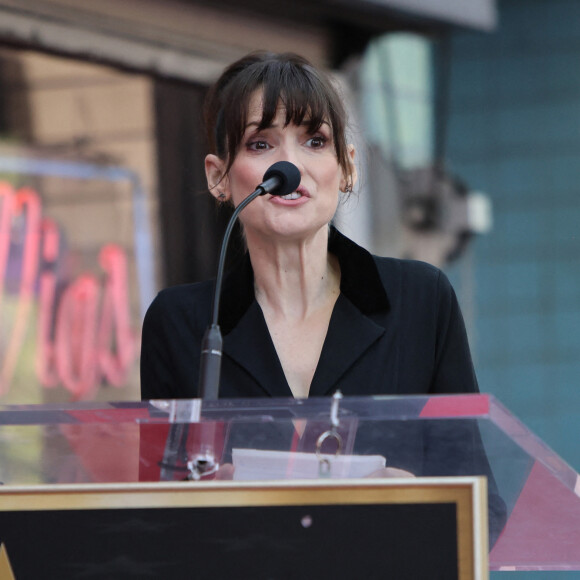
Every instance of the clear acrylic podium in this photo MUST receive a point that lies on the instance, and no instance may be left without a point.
(534, 496)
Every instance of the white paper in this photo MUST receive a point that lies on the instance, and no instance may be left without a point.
(257, 465)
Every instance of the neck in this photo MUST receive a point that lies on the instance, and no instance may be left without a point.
(294, 278)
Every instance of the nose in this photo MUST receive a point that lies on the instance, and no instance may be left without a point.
(291, 153)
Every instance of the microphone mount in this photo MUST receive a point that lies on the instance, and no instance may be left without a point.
(281, 179)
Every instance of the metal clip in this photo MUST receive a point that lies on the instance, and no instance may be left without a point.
(336, 398)
(324, 464)
(201, 466)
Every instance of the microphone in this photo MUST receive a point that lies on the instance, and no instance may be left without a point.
(280, 179)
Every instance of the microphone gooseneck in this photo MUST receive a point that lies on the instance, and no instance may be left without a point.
(280, 179)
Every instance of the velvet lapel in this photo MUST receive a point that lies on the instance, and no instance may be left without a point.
(250, 345)
(350, 334)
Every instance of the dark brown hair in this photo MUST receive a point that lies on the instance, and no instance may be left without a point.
(288, 78)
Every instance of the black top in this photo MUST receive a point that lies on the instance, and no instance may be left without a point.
(396, 328)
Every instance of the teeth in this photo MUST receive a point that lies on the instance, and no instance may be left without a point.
(294, 195)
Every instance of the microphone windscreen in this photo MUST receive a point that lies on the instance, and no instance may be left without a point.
(288, 174)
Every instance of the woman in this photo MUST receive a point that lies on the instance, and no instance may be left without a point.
(307, 311)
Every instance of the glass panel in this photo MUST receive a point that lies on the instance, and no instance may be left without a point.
(533, 495)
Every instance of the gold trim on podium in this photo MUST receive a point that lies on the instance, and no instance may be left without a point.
(5, 568)
(469, 494)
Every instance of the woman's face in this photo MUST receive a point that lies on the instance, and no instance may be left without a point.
(313, 204)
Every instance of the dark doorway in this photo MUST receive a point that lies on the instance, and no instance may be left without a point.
(192, 225)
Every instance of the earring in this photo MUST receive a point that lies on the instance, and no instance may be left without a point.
(348, 188)
(221, 197)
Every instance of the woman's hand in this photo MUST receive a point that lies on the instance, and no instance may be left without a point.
(225, 472)
(390, 472)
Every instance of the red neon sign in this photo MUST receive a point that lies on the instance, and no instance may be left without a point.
(83, 334)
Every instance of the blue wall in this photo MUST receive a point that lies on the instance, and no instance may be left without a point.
(514, 133)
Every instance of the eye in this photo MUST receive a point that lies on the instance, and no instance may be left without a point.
(257, 145)
(317, 142)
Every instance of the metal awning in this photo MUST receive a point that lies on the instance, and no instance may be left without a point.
(375, 16)
(478, 14)
(107, 33)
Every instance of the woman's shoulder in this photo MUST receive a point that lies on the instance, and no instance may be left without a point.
(183, 293)
(414, 282)
(411, 270)
(182, 301)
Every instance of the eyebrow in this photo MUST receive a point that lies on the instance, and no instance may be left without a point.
(304, 123)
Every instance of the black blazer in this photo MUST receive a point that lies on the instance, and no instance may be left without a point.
(396, 328)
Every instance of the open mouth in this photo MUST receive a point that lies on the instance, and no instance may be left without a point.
(294, 195)
(301, 192)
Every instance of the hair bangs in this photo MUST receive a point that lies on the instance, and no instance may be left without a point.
(295, 90)
(238, 97)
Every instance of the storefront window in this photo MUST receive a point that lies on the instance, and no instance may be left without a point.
(77, 267)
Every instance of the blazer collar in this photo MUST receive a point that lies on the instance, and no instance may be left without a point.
(359, 282)
(351, 332)
(250, 345)
(349, 336)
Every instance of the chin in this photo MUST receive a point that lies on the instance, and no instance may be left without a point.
(297, 229)
(288, 226)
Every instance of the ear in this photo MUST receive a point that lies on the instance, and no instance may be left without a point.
(347, 183)
(217, 182)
